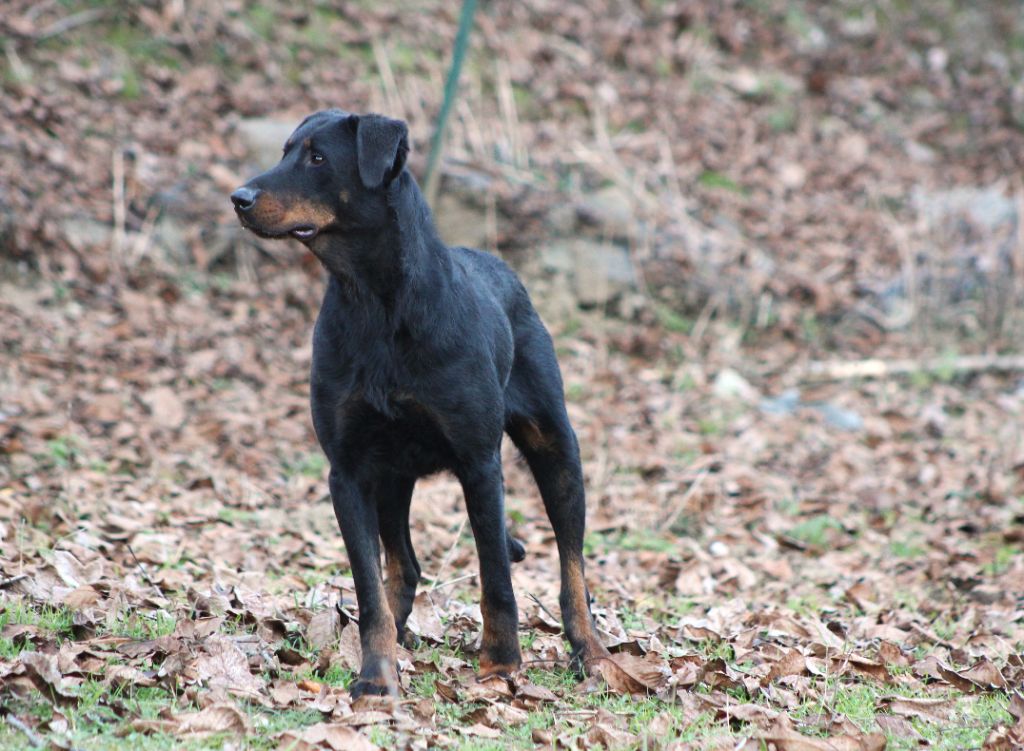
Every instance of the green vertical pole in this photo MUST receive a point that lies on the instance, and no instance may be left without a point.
(451, 86)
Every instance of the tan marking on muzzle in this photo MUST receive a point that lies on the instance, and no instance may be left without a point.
(271, 210)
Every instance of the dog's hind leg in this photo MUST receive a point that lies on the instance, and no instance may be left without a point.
(539, 426)
(393, 494)
(552, 453)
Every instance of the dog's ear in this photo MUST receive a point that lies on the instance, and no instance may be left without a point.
(381, 147)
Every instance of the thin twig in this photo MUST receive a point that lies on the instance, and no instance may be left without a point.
(32, 736)
(448, 556)
(841, 370)
(142, 570)
(19, 70)
(119, 209)
(71, 22)
(450, 582)
(680, 505)
(13, 580)
(540, 605)
(387, 79)
(546, 661)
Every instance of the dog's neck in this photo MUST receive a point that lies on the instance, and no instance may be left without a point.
(404, 257)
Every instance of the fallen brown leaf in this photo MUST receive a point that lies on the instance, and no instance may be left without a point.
(217, 718)
(627, 674)
(325, 735)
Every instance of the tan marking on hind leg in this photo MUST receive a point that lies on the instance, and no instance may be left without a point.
(576, 613)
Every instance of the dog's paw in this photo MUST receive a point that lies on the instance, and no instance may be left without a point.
(501, 670)
(500, 662)
(583, 660)
(370, 687)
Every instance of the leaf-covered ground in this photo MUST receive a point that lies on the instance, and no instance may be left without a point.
(778, 560)
(170, 561)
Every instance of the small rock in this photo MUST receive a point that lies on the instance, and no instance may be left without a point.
(938, 58)
(557, 258)
(935, 419)
(166, 407)
(169, 235)
(784, 404)
(729, 384)
(562, 219)
(792, 175)
(987, 207)
(745, 82)
(838, 417)
(87, 234)
(265, 136)
(601, 272)
(460, 221)
(919, 153)
(610, 210)
(853, 150)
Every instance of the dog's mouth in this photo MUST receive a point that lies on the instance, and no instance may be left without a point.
(302, 232)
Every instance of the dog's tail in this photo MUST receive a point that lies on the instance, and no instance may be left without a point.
(516, 551)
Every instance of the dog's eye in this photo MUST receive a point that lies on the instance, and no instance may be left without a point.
(316, 157)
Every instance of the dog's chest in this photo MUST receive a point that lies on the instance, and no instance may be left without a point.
(409, 440)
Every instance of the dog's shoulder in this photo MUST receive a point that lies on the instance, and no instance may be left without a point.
(487, 271)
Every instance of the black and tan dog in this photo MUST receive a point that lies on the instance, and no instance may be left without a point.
(423, 355)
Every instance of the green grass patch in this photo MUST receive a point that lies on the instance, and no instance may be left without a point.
(716, 180)
(815, 531)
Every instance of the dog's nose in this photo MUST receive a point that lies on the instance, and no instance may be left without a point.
(244, 198)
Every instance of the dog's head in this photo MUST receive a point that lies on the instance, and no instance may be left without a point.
(333, 177)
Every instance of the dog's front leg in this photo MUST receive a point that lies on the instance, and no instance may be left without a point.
(357, 517)
(483, 487)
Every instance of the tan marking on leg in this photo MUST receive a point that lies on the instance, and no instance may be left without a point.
(493, 637)
(488, 668)
(394, 585)
(534, 437)
(382, 638)
(578, 619)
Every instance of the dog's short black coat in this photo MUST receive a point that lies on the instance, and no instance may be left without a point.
(423, 356)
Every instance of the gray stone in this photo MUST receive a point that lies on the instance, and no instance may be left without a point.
(557, 258)
(987, 207)
(601, 272)
(460, 221)
(87, 234)
(783, 404)
(610, 211)
(170, 237)
(838, 417)
(265, 136)
(562, 218)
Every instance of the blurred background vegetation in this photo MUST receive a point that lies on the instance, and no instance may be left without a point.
(842, 174)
